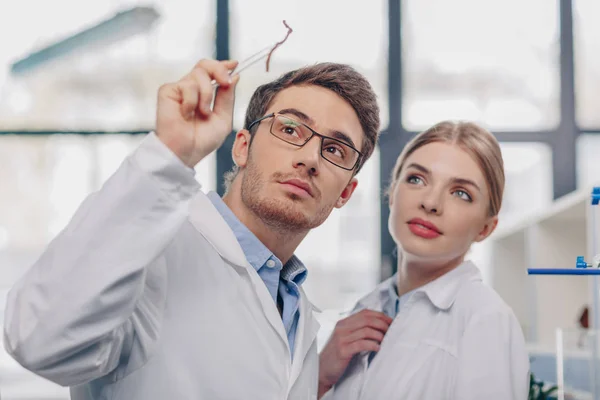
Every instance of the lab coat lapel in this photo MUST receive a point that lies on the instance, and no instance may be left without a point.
(350, 385)
(306, 334)
(209, 222)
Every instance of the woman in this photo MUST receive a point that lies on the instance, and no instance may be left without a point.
(434, 331)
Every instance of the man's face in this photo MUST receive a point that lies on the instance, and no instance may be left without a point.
(274, 172)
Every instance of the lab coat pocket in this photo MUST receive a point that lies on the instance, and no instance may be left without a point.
(420, 355)
(408, 360)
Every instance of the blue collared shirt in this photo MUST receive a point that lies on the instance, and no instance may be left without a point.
(390, 299)
(283, 279)
(391, 303)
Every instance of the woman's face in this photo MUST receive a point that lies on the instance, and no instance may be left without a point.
(439, 204)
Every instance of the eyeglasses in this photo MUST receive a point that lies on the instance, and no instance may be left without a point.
(296, 133)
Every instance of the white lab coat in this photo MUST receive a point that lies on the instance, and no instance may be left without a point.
(452, 339)
(147, 295)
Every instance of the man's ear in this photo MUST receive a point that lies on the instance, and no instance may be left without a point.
(488, 228)
(346, 193)
(240, 150)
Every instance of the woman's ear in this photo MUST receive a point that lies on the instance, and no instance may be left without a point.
(390, 193)
(488, 228)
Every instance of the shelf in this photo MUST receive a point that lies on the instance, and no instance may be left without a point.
(570, 207)
(563, 271)
(530, 260)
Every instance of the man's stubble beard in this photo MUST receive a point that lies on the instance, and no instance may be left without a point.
(281, 215)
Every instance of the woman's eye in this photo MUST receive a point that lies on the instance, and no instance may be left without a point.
(414, 180)
(463, 195)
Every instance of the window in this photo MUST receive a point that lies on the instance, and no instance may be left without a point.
(45, 179)
(98, 88)
(321, 34)
(481, 61)
(108, 87)
(588, 168)
(587, 62)
(528, 188)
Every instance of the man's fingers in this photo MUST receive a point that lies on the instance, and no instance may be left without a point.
(376, 314)
(225, 99)
(377, 323)
(205, 89)
(203, 75)
(365, 333)
(361, 345)
(230, 65)
(217, 70)
(362, 319)
(188, 91)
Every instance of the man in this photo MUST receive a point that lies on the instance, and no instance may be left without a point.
(155, 290)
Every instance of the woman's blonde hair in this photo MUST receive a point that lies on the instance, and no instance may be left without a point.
(473, 139)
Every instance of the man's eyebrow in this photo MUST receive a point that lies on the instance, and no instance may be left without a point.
(299, 114)
(339, 135)
(343, 137)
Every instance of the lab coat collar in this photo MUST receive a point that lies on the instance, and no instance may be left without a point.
(375, 300)
(443, 291)
(209, 222)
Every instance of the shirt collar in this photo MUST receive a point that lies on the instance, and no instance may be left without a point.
(256, 252)
(294, 271)
(389, 298)
(443, 291)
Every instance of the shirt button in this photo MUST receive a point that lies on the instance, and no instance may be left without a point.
(270, 263)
